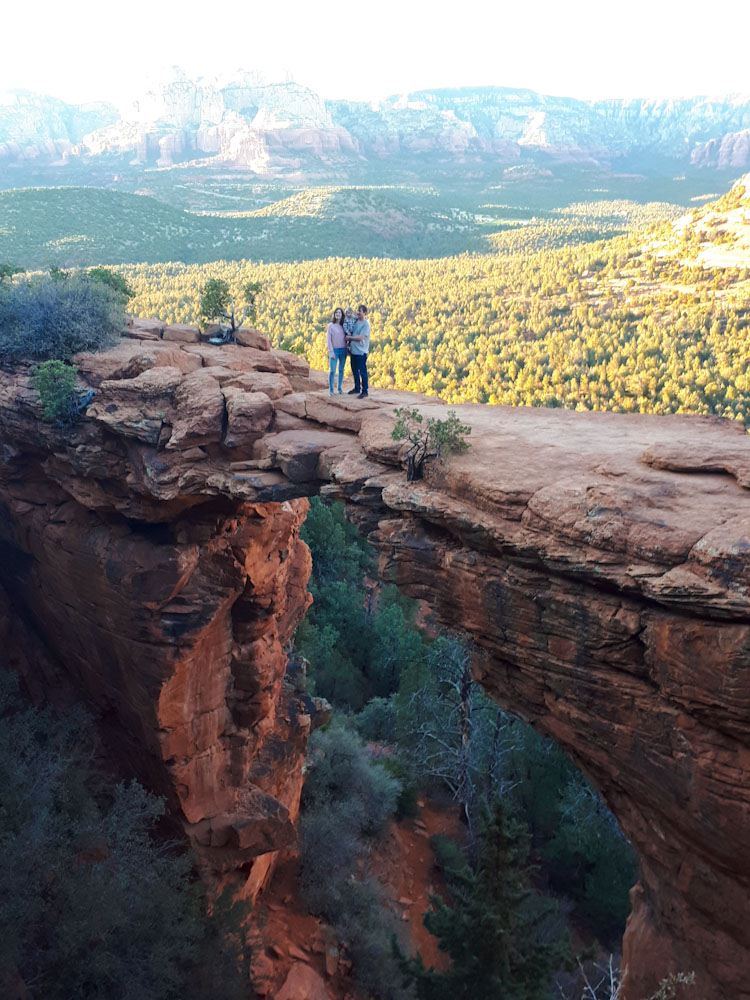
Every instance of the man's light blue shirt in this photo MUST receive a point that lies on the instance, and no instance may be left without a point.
(361, 329)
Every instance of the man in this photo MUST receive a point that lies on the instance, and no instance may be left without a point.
(359, 345)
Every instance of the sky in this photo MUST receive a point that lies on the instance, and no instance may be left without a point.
(83, 50)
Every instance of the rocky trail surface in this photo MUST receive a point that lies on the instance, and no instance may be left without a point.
(150, 559)
(287, 936)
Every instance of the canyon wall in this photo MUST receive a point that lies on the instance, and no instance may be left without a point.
(287, 130)
(601, 562)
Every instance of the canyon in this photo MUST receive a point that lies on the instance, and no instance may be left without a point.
(151, 565)
(285, 130)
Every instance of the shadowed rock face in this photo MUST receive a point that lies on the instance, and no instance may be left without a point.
(600, 561)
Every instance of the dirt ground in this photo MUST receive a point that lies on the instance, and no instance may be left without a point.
(285, 935)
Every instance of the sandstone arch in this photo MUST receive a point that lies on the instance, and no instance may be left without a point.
(601, 561)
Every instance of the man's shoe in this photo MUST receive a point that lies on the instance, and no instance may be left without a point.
(362, 395)
(352, 391)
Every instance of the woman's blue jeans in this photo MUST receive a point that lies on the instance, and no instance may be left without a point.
(339, 359)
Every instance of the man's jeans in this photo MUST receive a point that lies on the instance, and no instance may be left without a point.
(339, 359)
(359, 371)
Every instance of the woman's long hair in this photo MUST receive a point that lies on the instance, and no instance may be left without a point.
(340, 322)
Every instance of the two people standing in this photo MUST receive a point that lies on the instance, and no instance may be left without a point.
(346, 332)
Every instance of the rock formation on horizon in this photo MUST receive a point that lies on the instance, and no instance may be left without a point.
(285, 129)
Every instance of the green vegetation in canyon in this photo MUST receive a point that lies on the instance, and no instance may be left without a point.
(394, 685)
(92, 902)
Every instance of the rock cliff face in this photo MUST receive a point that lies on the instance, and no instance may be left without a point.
(730, 152)
(33, 126)
(266, 127)
(600, 561)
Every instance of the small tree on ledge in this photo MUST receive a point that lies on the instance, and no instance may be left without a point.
(428, 439)
(217, 302)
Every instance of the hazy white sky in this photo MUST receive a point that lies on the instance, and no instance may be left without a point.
(85, 49)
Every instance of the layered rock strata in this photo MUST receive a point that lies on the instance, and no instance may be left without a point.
(287, 130)
(600, 561)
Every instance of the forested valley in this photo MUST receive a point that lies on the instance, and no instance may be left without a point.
(639, 323)
(652, 320)
(539, 878)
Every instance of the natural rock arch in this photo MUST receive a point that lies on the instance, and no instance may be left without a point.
(601, 562)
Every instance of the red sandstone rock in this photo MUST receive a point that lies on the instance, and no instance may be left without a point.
(248, 337)
(298, 453)
(249, 414)
(181, 333)
(137, 407)
(294, 364)
(147, 329)
(198, 412)
(130, 358)
(238, 358)
(303, 983)
(601, 562)
(306, 382)
(295, 404)
(339, 412)
(272, 384)
(286, 422)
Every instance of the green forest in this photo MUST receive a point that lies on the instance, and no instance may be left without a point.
(197, 216)
(633, 324)
(542, 859)
(94, 900)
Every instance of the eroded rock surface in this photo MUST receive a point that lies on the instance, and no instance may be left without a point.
(601, 562)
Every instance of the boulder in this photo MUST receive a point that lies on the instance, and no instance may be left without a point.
(303, 983)
(297, 453)
(309, 382)
(286, 422)
(295, 404)
(182, 333)
(198, 416)
(142, 329)
(249, 414)
(130, 358)
(272, 384)
(146, 327)
(137, 407)
(237, 358)
(248, 337)
(293, 364)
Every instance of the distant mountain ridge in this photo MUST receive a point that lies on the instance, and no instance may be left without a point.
(287, 130)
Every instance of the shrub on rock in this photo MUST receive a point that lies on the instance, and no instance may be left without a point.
(432, 438)
(41, 318)
(56, 384)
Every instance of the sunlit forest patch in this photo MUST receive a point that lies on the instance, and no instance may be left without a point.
(633, 324)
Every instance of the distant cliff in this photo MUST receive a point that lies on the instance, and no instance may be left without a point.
(285, 129)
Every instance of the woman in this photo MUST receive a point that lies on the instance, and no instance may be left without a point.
(336, 344)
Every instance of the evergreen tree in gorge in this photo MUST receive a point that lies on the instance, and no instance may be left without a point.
(92, 904)
(503, 937)
(357, 641)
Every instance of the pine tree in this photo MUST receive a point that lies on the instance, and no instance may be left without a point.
(501, 935)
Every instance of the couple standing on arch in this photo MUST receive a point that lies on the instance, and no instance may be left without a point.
(349, 335)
